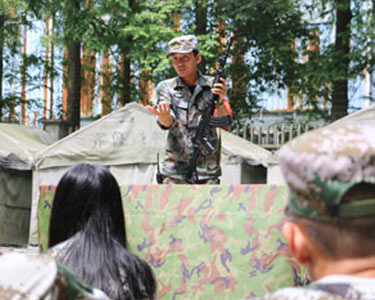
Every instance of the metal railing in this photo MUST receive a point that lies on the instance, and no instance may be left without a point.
(272, 137)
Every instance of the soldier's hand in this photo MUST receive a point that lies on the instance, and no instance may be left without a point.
(163, 112)
(220, 89)
(153, 109)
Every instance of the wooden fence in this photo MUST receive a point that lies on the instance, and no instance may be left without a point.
(272, 137)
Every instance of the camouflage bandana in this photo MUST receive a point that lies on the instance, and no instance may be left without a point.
(322, 165)
(183, 44)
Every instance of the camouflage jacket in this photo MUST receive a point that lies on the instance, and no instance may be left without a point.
(336, 287)
(35, 276)
(186, 111)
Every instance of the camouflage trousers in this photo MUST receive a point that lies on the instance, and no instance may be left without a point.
(170, 180)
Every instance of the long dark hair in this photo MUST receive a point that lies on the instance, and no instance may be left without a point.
(88, 207)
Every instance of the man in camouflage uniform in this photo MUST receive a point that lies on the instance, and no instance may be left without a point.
(178, 104)
(331, 229)
(32, 277)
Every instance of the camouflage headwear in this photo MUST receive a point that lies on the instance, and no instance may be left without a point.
(31, 276)
(183, 44)
(322, 165)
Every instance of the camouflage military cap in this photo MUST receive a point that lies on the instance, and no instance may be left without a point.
(322, 165)
(183, 44)
(32, 276)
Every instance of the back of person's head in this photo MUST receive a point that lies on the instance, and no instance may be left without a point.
(87, 198)
(87, 214)
(331, 177)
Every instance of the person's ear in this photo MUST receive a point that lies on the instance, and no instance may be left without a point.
(298, 241)
(198, 58)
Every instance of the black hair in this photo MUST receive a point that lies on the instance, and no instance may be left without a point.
(87, 208)
(345, 238)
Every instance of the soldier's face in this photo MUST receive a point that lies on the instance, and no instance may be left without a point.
(186, 64)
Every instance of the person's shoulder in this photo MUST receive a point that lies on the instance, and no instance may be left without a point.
(208, 77)
(334, 287)
(72, 282)
(292, 293)
(205, 79)
(35, 275)
(167, 83)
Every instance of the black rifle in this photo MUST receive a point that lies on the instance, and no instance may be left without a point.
(200, 143)
(159, 176)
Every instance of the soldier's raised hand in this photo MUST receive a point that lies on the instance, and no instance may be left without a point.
(220, 89)
(163, 112)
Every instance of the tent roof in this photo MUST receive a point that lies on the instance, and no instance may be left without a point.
(363, 116)
(19, 144)
(130, 135)
(236, 147)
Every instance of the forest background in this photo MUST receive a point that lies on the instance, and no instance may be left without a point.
(107, 53)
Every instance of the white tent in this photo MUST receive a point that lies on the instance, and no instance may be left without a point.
(363, 116)
(243, 162)
(127, 142)
(17, 147)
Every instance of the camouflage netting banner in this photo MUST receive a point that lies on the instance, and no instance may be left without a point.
(206, 241)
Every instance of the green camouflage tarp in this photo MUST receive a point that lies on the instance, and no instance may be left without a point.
(206, 241)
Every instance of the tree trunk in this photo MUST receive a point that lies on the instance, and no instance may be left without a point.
(176, 22)
(145, 88)
(45, 75)
(64, 106)
(88, 80)
(88, 64)
(74, 83)
(125, 93)
(106, 83)
(239, 86)
(73, 65)
(290, 94)
(23, 78)
(125, 77)
(52, 76)
(201, 28)
(342, 47)
(1, 63)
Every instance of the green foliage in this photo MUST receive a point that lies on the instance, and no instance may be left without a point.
(138, 31)
(265, 31)
(13, 6)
